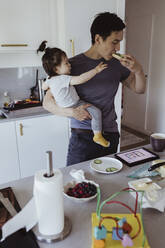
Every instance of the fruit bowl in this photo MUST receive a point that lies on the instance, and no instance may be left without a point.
(80, 190)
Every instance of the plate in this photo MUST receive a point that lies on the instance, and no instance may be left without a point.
(106, 165)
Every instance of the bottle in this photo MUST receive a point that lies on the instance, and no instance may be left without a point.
(6, 99)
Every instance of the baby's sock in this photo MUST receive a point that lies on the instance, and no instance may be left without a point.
(99, 139)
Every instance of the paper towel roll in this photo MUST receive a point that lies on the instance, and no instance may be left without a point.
(48, 194)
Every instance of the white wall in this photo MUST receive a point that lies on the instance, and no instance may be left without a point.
(146, 113)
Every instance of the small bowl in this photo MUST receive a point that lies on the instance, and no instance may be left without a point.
(71, 184)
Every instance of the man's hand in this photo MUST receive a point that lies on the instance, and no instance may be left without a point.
(80, 113)
(136, 80)
(100, 67)
(131, 63)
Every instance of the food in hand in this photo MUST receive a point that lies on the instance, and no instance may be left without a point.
(82, 190)
(117, 56)
(111, 169)
(97, 161)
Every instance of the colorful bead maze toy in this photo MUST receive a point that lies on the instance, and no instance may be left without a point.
(118, 230)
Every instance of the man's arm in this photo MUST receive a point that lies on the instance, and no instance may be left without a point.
(80, 113)
(136, 80)
(87, 75)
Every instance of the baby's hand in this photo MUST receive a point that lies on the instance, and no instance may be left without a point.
(45, 86)
(100, 67)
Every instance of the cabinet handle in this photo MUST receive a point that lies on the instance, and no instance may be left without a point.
(14, 45)
(73, 49)
(21, 129)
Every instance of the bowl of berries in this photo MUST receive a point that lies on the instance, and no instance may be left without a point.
(80, 190)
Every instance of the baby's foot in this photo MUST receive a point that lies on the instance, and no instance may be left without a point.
(99, 139)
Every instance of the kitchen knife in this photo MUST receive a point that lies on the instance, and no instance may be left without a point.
(155, 166)
(7, 204)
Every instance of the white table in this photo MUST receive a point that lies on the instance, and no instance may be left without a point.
(80, 214)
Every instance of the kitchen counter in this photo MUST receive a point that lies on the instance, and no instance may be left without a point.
(80, 213)
(25, 113)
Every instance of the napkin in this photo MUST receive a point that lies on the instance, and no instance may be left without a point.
(143, 172)
(154, 195)
(20, 238)
(155, 199)
(79, 176)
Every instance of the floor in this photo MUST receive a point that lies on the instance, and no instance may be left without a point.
(131, 138)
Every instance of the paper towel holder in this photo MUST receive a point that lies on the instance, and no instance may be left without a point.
(67, 223)
(50, 172)
(57, 237)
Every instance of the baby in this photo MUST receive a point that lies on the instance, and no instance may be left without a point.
(61, 84)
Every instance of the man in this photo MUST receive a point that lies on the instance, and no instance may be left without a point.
(106, 35)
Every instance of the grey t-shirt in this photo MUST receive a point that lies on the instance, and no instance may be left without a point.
(100, 90)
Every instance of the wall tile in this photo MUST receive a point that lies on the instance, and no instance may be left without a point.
(18, 81)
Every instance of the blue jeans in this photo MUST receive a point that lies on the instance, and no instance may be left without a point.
(82, 148)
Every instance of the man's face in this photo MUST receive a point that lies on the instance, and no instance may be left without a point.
(109, 46)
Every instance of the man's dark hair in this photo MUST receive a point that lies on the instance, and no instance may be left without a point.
(104, 24)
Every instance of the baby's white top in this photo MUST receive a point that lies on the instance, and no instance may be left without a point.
(64, 93)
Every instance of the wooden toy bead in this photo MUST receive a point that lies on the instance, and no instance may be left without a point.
(127, 228)
(99, 243)
(100, 233)
(114, 233)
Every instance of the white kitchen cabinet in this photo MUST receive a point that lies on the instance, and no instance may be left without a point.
(37, 135)
(23, 26)
(9, 162)
(74, 18)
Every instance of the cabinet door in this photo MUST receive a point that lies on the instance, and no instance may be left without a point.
(23, 26)
(38, 135)
(9, 163)
(75, 18)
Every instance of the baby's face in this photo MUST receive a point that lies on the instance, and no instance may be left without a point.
(64, 68)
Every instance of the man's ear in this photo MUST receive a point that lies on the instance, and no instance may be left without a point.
(98, 39)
